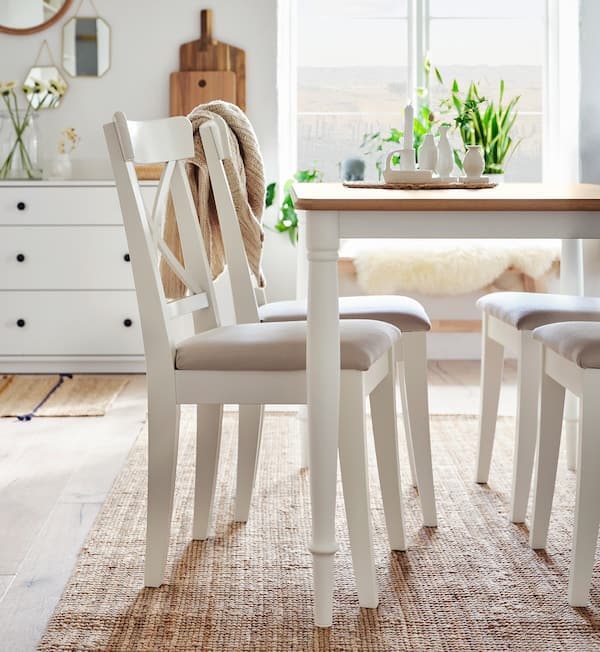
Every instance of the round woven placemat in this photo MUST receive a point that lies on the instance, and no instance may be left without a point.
(471, 584)
(423, 185)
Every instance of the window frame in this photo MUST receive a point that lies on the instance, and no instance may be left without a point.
(560, 106)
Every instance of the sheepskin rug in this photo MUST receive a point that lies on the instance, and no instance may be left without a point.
(445, 267)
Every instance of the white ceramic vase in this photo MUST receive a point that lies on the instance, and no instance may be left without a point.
(473, 162)
(445, 162)
(428, 153)
(61, 167)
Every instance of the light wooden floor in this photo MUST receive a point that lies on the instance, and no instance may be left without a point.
(55, 474)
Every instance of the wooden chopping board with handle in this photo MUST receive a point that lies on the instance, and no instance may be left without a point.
(208, 70)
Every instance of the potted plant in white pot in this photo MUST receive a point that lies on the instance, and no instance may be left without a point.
(488, 124)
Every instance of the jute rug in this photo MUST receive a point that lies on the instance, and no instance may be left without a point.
(66, 396)
(471, 584)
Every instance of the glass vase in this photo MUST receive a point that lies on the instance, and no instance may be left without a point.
(19, 145)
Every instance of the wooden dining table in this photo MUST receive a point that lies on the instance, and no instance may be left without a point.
(330, 212)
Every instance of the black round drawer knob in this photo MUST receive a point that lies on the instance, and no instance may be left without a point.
(21, 206)
(127, 323)
(127, 258)
(202, 83)
(20, 323)
(20, 257)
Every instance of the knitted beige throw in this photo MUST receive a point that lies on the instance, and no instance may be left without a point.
(246, 177)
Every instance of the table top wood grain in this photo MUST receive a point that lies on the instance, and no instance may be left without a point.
(503, 197)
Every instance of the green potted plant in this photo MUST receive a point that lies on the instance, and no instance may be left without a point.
(486, 123)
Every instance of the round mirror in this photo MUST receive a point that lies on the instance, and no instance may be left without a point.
(28, 16)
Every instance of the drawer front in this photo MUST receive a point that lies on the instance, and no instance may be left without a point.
(64, 258)
(63, 205)
(69, 323)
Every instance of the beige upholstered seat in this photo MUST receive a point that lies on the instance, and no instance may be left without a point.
(529, 310)
(577, 341)
(403, 312)
(280, 347)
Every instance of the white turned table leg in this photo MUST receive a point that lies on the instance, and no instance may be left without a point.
(571, 282)
(323, 393)
(301, 293)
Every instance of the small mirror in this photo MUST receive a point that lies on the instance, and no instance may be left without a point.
(45, 86)
(86, 47)
(29, 16)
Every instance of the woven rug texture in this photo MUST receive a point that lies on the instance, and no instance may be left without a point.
(471, 584)
(80, 396)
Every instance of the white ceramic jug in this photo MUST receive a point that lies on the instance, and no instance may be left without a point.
(445, 162)
(473, 162)
(428, 153)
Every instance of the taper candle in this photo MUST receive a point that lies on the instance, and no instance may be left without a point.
(409, 116)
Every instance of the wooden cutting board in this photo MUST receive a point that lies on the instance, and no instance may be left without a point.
(209, 70)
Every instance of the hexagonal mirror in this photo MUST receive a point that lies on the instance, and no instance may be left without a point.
(86, 47)
(44, 86)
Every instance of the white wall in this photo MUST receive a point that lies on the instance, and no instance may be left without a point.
(145, 48)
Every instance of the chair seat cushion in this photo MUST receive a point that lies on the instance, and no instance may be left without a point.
(528, 310)
(577, 341)
(403, 312)
(280, 346)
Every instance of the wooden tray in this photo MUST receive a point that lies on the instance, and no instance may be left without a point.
(423, 185)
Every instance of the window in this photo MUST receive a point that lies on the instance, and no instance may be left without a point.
(359, 61)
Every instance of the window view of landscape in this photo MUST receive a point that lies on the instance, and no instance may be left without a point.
(353, 73)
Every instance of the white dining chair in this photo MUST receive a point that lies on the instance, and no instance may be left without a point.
(508, 321)
(403, 312)
(192, 359)
(571, 360)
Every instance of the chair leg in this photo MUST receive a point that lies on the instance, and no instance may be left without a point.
(355, 480)
(528, 385)
(249, 436)
(383, 416)
(552, 400)
(304, 439)
(163, 439)
(208, 446)
(414, 354)
(587, 506)
(406, 421)
(571, 427)
(492, 357)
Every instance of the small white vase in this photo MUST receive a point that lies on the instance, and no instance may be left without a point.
(473, 162)
(445, 162)
(428, 153)
(61, 167)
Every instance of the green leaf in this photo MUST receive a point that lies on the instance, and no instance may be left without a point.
(270, 194)
(438, 75)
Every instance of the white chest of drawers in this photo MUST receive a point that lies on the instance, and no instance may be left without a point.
(67, 299)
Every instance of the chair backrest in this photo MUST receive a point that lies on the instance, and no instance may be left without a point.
(164, 323)
(246, 297)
